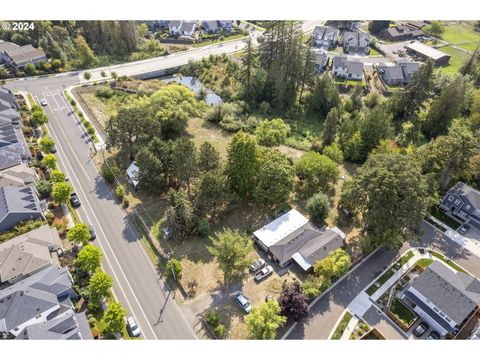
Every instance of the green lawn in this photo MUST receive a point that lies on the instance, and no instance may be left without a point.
(447, 261)
(459, 34)
(404, 259)
(447, 220)
(424, 263)
(342, 325)
(387, 275)
(216, 41)
(374, 52)
(458, 58)
(403, 313)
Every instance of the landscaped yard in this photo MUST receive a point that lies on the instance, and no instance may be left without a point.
(403, 313)
(449, 262)
(447, 220)
(217, 41)
(342, 325)
(424, 263)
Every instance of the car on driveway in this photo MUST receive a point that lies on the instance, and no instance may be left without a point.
(242, 301)
(93, 236)
(74, 200)
(433, 335)
(420, 329)
(257, 265)
(262, 274)
(463, 229)
(43, 102)
(133, 327)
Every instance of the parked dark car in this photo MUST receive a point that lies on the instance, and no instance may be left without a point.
(464, 228)
(93, 236)
(433, 335)
(420, 329)
(74, 200)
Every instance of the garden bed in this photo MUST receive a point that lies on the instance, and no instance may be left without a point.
(342, 325)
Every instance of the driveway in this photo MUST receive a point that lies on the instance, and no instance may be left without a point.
(378, 320)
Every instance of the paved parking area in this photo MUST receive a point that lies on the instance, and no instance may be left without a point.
(378, 320)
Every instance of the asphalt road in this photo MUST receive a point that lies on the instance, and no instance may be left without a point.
(326, 312)
(136, 282)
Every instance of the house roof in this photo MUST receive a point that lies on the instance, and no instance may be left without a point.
(468, 192)
(211, 24)
(426, 50)
(340, 61)
(25, 54)
(354, 67)
(34, 295)
(281, 228)
(392, 72)
(321, 58)
(174, 23)
(9, 158)
(28, 253)
(409, 67)
(17, 200)
(18, 175)
(319, 247)
(188, 26)
(454, 293)
(7, 96)
(320, 32)
(5, 45)
(132, 172)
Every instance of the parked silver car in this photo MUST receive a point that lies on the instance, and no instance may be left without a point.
(133, 327)
(242, 301)
(257, 265)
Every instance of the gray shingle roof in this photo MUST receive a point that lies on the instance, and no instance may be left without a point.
(43, 292)
(468, 192)
(17, 200)
(28, 253)
(454, 293)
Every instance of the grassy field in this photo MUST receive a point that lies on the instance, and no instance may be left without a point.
(457, 60)
(424, 263)
(462, 35)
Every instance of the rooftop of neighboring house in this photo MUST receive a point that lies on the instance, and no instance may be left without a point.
(355, 38)
(132, 172)
(28, 253)
(409, 67)
(391, 72)
(321, 58)
(426, 50)
(18, 175)
(468, 192)
(25, 54)
(210, 24)
(44, 300)
(321, 32)
(67, 325)
(453, 292)
(15, 199)
(8, 97)
(188, 26)
(174, 23)
(5, 45)
(9, 157)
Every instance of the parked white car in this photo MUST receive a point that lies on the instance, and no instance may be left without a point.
(133, 327)
(262, 274)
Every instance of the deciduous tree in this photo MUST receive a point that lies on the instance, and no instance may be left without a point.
(264, 320)
(89, 258)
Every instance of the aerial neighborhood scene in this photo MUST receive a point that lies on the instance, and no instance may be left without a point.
(240, 179)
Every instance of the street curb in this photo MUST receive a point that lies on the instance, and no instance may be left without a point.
(284, 337)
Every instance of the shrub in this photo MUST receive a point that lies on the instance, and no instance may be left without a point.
(219, 331)
(333, 152)
(125, 202)
(50, 216)
(44, 189)
(176, 266)
(203, 227)
(318, 207)
(272, 132)
(212, 318)
(91, 321)
(104, 92)
(102, 74)
(120, 192)
(107, 174)
(87, 75)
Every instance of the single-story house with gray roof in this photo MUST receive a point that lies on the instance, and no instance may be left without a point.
(444, 297)
(293, 238)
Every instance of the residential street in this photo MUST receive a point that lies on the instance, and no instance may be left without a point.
(326, 312)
